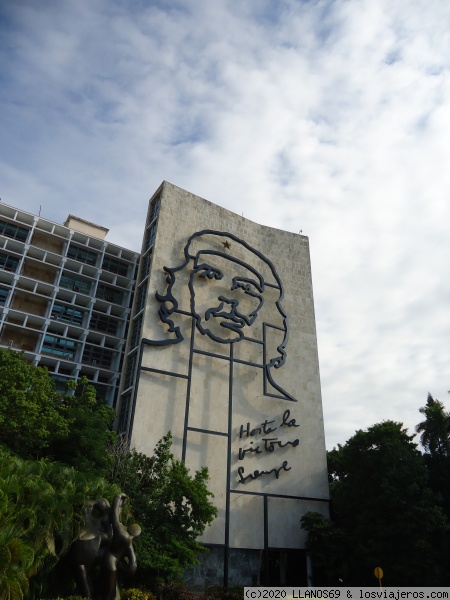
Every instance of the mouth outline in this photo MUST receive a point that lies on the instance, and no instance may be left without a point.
(232, 321)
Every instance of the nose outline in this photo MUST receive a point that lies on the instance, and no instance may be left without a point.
(234, 303)
(235, 313)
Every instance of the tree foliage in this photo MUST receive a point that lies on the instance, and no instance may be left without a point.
(434, 433)
(435, 429)
(89, 435)
(327, 545)
(41, 513)
(172, 507)
(36, 421)
(385, 513)
(29, 414)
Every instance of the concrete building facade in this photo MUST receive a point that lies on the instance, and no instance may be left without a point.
(223, 353)
(65, 297)
(210, 333)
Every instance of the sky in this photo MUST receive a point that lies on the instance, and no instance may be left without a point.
(329, 117)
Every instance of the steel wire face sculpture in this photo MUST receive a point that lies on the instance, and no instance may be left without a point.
(229, 283)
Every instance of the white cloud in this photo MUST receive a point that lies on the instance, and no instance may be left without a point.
(330, 117)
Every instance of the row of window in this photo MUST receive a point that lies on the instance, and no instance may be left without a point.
(104, 323)
(82, 255)
(59, 346)
(113, 265)
(13, 231)
(69, 314)
(104, 292)
(98, 356)
(137, 324)
(75, 283)
(66, 348)
(75, 252)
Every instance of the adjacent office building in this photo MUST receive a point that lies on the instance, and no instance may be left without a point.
(218, 346)
(65, 297)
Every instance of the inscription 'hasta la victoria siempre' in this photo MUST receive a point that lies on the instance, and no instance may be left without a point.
(269, 445)
(256, 474)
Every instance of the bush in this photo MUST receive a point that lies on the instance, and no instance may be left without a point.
(71, 598)
(174, 591)
(136, 594)
(222, 593)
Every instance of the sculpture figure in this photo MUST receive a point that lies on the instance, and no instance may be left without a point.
(104, 542)
(119, 554)
(87, 550)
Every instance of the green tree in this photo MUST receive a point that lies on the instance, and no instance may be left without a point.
(384, 509)
(29, 415)
(327, 545)
(85, 443)
(36, 421)
(41, 513)
(172, 507)
(435, 429)
(435, 438)
(41, 501)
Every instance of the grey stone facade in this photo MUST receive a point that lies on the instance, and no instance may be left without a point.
(224, 355)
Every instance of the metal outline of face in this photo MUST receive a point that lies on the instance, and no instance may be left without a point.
(228, 308)
(169, 307)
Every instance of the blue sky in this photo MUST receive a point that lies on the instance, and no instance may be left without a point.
(330, 117)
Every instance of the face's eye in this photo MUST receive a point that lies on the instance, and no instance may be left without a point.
(208, 271)
(249, 286)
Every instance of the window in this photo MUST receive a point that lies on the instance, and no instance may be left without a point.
(13, 231)
(150, 237)
(141, 296)
(67, 314)
(103, 323)
(155, 208)
(76, 284)
(3, 296)
(8, 262)
(115, 266)
(59, 347)
(146, 265)
(124, 410)
(135, 332)
(60, 383)
(98, 356)
(82, 255)
(129, 373)
(105, 292)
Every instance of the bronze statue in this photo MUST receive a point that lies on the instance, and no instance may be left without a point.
(104, 542)
(119, 553)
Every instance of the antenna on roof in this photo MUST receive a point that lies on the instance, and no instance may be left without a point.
(40, 210)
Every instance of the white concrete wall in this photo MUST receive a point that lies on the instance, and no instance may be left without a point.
(215, 382)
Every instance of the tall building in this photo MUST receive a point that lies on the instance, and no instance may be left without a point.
(223, 353)
(210, 333)
(65, 297)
